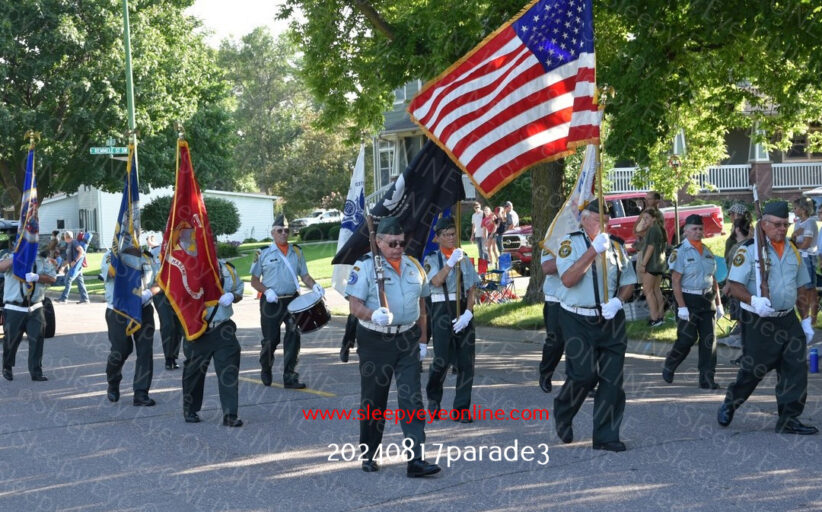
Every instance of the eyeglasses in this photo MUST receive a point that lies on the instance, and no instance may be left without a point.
(785, 225)
(281, 230)
(395, 243)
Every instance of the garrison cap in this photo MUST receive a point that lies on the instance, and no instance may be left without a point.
(280, 221)
(693, 220)
(593, 206)
(389, 226)
(777, 209)
(444, 223)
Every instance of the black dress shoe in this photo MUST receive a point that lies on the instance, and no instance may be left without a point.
(725, 414)
(143, 401)
(464, 416)
(229, 420)
(265, 376)
(794, 426)
(39, 378)
(191, 417)
(709, 385)
(294, 385)
(418, 468)
(168, 363)
(7, 374)
(668, 375)
(565, 431)
(370, 466)
(113, 393)
(612, 446)
(545, 385)
(174, 365)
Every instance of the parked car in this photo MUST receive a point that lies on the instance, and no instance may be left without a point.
(8, 234)
(297, 224)
(624, 209)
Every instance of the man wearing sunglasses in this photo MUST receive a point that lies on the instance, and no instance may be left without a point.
(453, 334)
(274, 274)
(772, 335)
(389, 341)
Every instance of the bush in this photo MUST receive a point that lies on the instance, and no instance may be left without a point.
(311, 234)
(324, 231)
(250, 241)
(228, 250)
(334, 232)
(267, 239)
(222, 215)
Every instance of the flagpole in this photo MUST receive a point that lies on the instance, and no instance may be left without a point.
(129, 79)
(458, 291)
(599, 100)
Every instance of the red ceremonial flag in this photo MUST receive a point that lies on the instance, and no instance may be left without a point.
(524, 95)
(189, 272)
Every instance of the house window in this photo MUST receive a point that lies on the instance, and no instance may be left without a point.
(386, 162)
(399, 95)
(799, 147)
(61, 224)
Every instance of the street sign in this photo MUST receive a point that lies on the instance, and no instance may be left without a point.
(111, 142)
(109, 150)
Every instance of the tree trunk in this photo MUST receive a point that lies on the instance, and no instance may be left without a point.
(12, 195)
(547, 198)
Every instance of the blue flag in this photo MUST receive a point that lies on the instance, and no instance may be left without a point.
(126, 257)
(25, 247)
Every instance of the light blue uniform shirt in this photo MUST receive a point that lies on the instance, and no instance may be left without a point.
(698, 270)
(552, 286)
(785, 274)
(582, 294)
(403, 291)
(470, 278)
(231, 283)
(274, 274)
(142, 261)
(13, 288)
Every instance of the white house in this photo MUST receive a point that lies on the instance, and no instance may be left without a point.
(93, 210)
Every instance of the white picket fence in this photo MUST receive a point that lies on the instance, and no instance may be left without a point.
(797, 175)
(725, 178)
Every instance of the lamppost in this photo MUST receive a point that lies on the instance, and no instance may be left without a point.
(675, 162)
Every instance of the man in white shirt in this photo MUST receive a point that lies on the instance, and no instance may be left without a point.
(477, 232)
(511, 217)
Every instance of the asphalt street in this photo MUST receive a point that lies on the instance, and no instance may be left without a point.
(63, 446)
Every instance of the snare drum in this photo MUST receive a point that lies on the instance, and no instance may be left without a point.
(309, 312)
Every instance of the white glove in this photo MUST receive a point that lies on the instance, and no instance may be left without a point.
(423, 351)
(463, 321)
(611, 308)
(761, 305)
(683, 314)
(601, 242)
(226, 299)
(456, 257)
(807, 327)
(720, 311)
(270, 295)
(31, 277)
(146, 295)
(381, 316)
(318, 289)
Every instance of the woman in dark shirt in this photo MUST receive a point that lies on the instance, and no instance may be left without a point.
(650, 263)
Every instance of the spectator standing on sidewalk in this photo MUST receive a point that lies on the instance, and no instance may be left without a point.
(805, 235)
(75, 255)
(489, 225)
(478, 232)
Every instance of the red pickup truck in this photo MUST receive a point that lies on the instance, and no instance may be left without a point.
(625, 209)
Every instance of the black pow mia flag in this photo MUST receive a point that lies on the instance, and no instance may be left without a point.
(430, 183)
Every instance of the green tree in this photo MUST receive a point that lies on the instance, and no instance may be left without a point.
(702, 66)
(222, 215)
(62, 65)
(279, 145)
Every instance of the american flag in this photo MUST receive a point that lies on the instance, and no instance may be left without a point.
(524, 95)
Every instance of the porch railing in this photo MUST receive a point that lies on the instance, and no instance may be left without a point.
(797, 175)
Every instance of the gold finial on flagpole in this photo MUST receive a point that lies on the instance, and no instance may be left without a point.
(32, 136)
(181, 132)
(603, 94)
